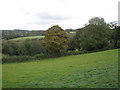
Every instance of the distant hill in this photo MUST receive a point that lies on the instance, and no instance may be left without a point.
(10, 34)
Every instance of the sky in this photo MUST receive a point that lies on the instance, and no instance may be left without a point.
(42, 14)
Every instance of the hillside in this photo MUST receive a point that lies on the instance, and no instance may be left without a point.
(31, 37)
(93, 70)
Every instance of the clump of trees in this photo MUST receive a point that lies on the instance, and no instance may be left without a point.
(23, 50)
(94, 36)
(26, 47)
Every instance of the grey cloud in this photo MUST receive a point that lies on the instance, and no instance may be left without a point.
(50, 17)
(46, 18)
(39, 21)
(42, 17)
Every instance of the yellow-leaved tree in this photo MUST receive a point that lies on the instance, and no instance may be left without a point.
(55, 41)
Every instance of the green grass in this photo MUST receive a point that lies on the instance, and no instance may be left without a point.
(93, 70)
(72, 32)
(31, 37)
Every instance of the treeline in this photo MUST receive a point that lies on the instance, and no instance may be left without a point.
(95, 36)
(25, 47)
(16, 51)
(10, 34)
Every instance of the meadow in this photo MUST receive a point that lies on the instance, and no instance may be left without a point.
(92, 70)
(72, 32)
(31, 37)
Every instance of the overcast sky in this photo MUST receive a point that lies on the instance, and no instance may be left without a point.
(42, 14)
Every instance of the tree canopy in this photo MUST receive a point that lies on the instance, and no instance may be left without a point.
(55, 40)
(97, 21)
(93, 36)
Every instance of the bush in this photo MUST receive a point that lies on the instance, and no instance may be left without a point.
(39, 56)
(8, 59)
(73, 53)
(118, 44)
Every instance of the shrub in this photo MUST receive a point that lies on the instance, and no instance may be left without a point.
(40, 56)
(8, 59)
(118, 44)
(73, 53)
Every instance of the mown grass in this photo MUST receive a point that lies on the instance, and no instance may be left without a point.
(93, 70)
(31, 37)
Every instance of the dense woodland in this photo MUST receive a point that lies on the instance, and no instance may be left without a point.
(97, 35)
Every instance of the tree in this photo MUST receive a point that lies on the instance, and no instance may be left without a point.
(74, 42)
(116, 36)
(34, 47)
(93, 36)
(55, 41)
(97, 21)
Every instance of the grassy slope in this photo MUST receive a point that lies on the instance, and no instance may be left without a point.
(24, 38)
(73, 32)
(81, 71)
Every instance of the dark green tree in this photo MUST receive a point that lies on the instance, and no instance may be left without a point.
(116, 36)
(93, 36)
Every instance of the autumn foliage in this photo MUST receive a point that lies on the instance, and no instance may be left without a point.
(55, 41)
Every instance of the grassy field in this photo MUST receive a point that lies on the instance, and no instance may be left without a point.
(72, 32)
(31, 37)
(93, 70)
